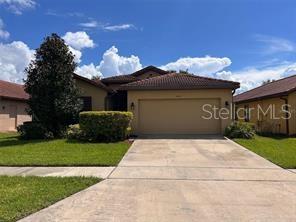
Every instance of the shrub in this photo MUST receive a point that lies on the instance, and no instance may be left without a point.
(240, 130)
(74, 132)
(33, 130)
(108, 126)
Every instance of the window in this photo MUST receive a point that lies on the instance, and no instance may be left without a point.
(87, 103)
(247, 113)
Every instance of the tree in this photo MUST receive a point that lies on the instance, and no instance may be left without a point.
(267, 81)
(54, 100)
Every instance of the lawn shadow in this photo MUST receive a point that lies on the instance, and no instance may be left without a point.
(16, 141)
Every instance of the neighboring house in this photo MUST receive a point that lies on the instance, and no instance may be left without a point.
(272, 98)
(170, 103)
(13, 101)
(13, 105)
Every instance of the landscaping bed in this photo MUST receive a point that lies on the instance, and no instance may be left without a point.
(58, 152)
(21, 196)
(278, 149)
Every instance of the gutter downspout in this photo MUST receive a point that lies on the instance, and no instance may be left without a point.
(233, 106)
(287, 115)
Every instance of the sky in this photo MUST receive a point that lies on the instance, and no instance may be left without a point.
(241, 40)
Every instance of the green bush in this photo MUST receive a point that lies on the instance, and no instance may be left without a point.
(33, 130)
(240, 130)
(107, 126)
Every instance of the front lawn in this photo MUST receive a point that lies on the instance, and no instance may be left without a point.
(279, 150)
(21, 196)
(58, 152)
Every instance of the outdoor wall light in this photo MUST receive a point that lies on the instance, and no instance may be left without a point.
(226, 103)
(132, 106)
(3, 107)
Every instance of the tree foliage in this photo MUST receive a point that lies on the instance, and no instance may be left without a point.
(54, 100)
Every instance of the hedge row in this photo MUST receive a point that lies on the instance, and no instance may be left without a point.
(105, 125)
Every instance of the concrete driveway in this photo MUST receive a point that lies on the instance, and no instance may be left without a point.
(166, 180)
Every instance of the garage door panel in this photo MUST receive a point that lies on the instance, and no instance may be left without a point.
(176, 116)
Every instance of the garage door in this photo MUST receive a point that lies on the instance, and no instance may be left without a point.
(177, 116)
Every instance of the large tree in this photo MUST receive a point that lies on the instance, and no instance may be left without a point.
(54, 100)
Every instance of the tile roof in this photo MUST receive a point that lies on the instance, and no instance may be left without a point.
(180, 81)
(14, 91)
(134, 76)
(273, 89)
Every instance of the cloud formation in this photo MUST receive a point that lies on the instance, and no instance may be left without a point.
(274, 44)
(3, 33)
(199, 65)
(78, 40)
(18, 6)
(111, 64)
(14, 58)
(115, 28)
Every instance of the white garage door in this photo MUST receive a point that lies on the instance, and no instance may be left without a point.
(177, 116)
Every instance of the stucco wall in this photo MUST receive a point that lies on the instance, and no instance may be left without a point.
(97, 94)
(271, 122)
(12, 114)
(222, 95)
(292, 122)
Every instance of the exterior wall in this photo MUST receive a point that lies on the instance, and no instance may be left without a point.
(292, 121)
(12, 114)
(222, 95)
(97, 94)
(270, 122)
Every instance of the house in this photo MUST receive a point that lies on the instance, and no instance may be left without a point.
(13, 105)
(171, 103)
(13, 101)
(162, 102)
(271, 107)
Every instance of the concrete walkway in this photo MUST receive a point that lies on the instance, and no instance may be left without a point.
(172, 180)
(102, 172)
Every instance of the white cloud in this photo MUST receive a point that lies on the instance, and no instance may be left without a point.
(275, 44)
(89, 71)
(3, 34)
(199, 65)
(78, 40)
(90, 24)
(18, 6)
(14, 58)
(252, 77)
(115, 28)
(112, 64)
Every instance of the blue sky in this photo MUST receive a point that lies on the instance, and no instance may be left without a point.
(241, 40)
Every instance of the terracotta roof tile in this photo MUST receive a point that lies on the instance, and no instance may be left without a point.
(179, 81)
(10, 90)
(97, 83)
(277, 88)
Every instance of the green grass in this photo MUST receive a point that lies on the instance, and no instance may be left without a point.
(58, 152)
(277, 149)
(21, 196)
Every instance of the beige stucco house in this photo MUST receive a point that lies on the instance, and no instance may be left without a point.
(171, 103)
(271, 107)
(13, 106)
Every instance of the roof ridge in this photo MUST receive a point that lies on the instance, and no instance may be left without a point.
(275, 81)
(155, 77)
(210, 78)
(11, 82)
